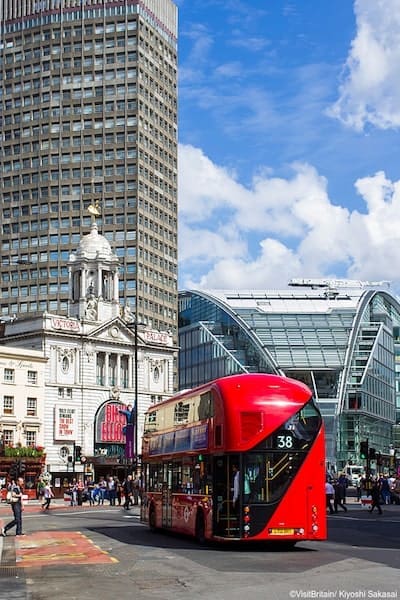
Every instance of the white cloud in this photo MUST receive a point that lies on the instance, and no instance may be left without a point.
(273, 268)
(252, 44)
(260, 236)
(229, 69)
(370, 90)
(203, 186)
(203, 247)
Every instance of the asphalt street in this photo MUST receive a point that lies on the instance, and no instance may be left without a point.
(105, 552)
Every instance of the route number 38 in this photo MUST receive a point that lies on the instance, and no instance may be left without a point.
(284, 441)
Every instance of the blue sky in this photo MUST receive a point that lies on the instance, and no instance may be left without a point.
(289, 147)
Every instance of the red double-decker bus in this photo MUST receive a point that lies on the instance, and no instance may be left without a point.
(240, 458)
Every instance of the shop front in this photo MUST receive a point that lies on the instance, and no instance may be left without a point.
(28, 464)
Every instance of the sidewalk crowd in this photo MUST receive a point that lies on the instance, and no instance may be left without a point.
(372, 491)
(110, 488)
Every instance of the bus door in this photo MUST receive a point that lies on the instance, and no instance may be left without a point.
(225, 515)
(166, 496)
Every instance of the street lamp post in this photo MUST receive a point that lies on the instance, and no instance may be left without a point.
(134, 326)
(135, 407)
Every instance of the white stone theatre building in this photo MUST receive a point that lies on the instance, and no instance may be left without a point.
(98, 364)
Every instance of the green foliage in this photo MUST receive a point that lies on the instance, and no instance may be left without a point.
(25, 451)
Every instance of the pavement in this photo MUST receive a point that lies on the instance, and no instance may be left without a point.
(35, 548)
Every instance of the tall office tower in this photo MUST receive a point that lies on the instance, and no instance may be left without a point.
(88, 117)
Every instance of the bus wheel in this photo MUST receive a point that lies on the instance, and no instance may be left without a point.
(200, 529)
(152, 519)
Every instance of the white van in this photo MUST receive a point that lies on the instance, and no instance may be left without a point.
(353, 472)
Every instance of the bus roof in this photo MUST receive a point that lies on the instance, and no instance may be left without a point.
(273, 388)
(245, 408)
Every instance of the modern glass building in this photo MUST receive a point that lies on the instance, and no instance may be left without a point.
(339, 337)
(88, 100)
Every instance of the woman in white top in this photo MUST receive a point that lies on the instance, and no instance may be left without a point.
(47, 496)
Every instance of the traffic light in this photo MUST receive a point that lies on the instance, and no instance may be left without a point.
(364, 449)
(372, 453)
(78, 451)
(22, 467)
(379, 460)
(14, 471)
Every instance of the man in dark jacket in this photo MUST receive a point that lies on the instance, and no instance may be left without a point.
(376, 497)
(340, 495)
(128, 491)
(17, 507)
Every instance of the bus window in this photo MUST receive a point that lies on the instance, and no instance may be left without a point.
(154, 477)
(177, 476)
(150, 423)
(305, 424)
(181, 413)
(206, 406)
(269, 475)
(299, 432)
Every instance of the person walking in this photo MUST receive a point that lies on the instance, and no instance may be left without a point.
(47, 496)
(96, 494)
(385, 489)
(340, 495)
(89, 490)
(128, 491)
(136, 490)
(376, 497)
(102, 490)
(17, 507)
(73, 488)
(112, 492)
(359, 487)
(120, 491)
(343, 482)
(329, 495)
(80, 486)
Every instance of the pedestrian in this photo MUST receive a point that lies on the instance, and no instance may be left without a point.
(128, 491)
(376, 497)
(80, 486)
(89, 490)
(385, 489)
(73, 488)
(344, 483)
(136, 490)
(358, 487)
(102, 490)
(96, 494)
(329, 495)
(112, 492)
(120, 490)
(235, 487)
(17, 507)
(47, 496)
(340, 495)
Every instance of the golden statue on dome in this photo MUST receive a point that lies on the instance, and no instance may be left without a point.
(93, 209)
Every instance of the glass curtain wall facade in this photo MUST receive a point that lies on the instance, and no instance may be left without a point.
(214, 343)
(342, 345)
(89, 117)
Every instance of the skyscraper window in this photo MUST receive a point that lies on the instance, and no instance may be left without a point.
(82, 40)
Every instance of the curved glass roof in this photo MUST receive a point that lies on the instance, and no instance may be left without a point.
(340, 337)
